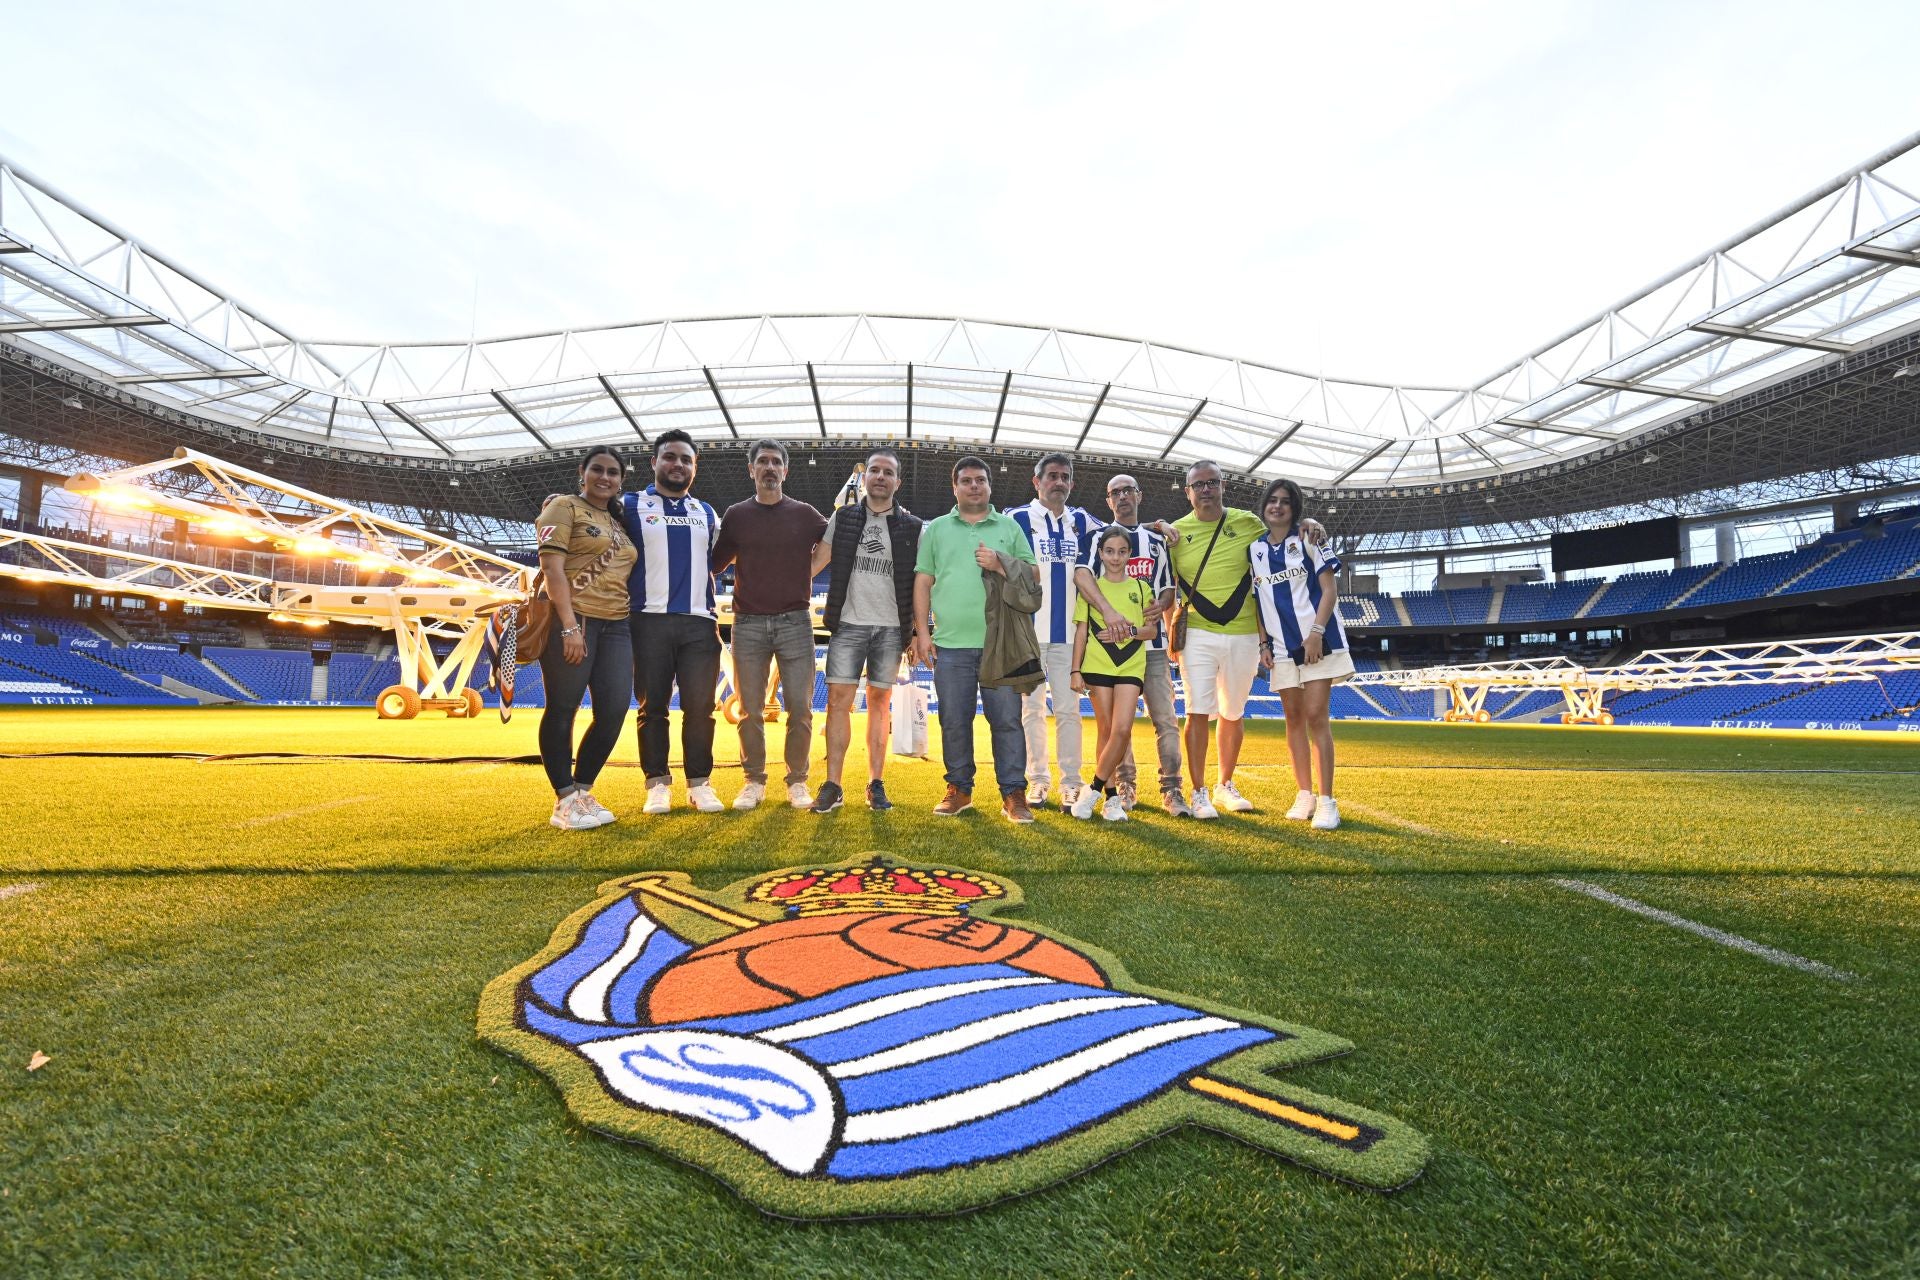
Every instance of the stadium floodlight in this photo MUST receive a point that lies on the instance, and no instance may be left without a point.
(447, 589)
(264, 509)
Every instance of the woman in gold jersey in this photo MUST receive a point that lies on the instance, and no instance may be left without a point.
(586, 557)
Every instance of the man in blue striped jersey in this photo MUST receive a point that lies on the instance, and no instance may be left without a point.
(676, 637)
(1062, 539)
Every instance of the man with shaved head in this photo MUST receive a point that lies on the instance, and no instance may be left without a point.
(1209, 554)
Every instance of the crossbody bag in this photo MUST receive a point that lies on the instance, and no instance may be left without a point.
(535, 618)
(1177, 636)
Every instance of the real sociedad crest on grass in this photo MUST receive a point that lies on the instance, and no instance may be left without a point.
(863, 1039)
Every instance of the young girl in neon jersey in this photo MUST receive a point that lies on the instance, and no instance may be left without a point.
(1301, 643)
(1112, 672)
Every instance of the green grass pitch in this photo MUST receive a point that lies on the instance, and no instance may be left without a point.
(256, 978)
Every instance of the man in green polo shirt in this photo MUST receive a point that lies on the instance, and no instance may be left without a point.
(948, 592)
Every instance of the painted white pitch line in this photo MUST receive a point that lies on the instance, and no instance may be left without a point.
(1360, 810)
(1772, 955)
(310, 809)
(15, 890)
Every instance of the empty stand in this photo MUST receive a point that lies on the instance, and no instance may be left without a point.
(270, 675)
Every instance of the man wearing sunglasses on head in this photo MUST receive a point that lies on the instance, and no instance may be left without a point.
(1208, 548)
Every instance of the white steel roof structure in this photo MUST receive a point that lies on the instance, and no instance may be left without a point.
(1828, 276)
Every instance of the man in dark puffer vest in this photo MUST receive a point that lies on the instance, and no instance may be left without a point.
(872, 546)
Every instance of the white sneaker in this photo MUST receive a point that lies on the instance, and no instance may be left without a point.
(750, 796)
(1326, 814)
(568, 815)
(1070, 794)
(1175, 803)
(1228, 797)
(1082, 806)
(1203, 804)
(1302, 807)
(704, 798)
(598, 811)
(1036, 795)
(1115, 810)
(798, 796)
(659, 799)
(1129, 796)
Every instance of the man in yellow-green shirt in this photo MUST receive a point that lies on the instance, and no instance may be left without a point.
(1209, 553)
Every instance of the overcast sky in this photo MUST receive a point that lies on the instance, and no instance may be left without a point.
(1410, 193)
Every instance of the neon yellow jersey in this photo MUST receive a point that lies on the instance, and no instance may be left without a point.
(1131, 599)
(1222, 598)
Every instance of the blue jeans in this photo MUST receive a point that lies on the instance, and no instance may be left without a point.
(760, 639)
(607, 671)
(956, 680)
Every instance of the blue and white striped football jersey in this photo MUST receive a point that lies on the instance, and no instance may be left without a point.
(1150, 563)
(675, 536)
(1286, 582)
(1060, 545)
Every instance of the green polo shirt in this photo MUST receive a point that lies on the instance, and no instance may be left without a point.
(959, 593)
(1225, 568)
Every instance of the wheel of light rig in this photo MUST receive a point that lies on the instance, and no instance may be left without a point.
(473, 708)
(733, 709)
(397, 702)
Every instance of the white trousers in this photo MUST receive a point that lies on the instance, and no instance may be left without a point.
(1057, 661)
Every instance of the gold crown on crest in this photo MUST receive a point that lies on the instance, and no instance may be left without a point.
(844, 890)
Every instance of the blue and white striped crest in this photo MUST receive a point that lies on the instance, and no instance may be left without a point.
(946, 1084)
(904, 1074)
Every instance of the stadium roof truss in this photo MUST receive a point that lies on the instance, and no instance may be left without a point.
(1827, 277)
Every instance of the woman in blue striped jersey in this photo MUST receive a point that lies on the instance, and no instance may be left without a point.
(1301, 643)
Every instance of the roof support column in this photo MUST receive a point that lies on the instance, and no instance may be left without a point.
(1006, 385)
(721, 401)
(819, 414)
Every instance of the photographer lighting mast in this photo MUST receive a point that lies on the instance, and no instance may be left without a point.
(450, 588)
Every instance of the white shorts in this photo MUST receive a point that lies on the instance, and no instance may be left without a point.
(1336, 666)
(1218, 671)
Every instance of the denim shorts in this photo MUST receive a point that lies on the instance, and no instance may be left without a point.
(857, 648)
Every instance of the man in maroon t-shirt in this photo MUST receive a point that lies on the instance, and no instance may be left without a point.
(769, 540)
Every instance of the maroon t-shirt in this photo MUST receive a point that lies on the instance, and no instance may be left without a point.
(771, 549)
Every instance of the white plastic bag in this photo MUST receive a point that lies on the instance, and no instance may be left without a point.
(910, 721)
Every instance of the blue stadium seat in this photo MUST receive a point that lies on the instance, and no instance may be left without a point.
(271, 675)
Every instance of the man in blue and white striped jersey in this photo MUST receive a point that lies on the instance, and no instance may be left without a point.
(1062, 538)
(676, 635)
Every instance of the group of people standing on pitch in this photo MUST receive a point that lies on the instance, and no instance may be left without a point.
(1012, 610)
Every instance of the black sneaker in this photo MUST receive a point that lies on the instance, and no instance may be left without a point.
(877, 796)
(830, 798)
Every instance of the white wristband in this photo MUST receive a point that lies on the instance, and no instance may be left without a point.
(1317, 630)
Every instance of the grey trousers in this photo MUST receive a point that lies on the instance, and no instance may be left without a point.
(759, 640)
(1166, 728)
(1057, 660)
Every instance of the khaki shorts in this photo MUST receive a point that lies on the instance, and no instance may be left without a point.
(1336, 666)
